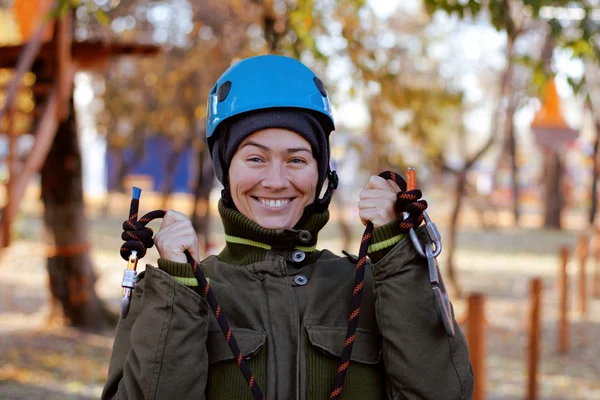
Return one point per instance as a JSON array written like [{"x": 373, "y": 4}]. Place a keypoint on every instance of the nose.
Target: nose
[{"x": 275, "y": 177}]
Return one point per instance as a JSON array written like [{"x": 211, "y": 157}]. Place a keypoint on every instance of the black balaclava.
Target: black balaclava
[{"x": 234, "y": 131}]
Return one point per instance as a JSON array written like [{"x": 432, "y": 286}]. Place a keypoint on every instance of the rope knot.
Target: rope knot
[{"x": 137, "y": 236}]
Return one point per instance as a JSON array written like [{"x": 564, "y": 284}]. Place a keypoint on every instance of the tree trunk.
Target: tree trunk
[
  {"x": 201, "y": 214},
  {"x": 512, "y": 150},
  {"x": 122, "y": 168},
  {"x": 554, "y": 189},
  {"x": 459, "y": 192},
  {"x": 594, "y": 188},
  {"x": 345, "y": 228},
  {"x": 170, "y": 169},
  {"x": 73, "y": 300},
  {"x": 126, "y": 167}
]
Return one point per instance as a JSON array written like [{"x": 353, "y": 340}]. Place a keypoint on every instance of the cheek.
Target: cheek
[
  {"x": 242, "y": 179},
  {"x": 307, "y": 181}
]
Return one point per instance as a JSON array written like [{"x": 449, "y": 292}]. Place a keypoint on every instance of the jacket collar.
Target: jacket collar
[{"x": 246, "y": 242}]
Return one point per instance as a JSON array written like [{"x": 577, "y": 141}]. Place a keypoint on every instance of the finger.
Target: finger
[
  {"x": 393, "y": 185},
  {"x": 171, "y": 216},
  {"x": 177, "y": 237},
  {"x": 378, "y": 193},
  {"x": 377, "y": 182},
  {"x": 377, "y": 216},
  {"x": 173, "y": 247},
  {"x": 377, "y": 203},
  {"x": 180, "y": 229}
]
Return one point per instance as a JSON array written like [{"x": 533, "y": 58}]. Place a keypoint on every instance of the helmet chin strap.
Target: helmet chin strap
[{"x": 332, "y": 183}]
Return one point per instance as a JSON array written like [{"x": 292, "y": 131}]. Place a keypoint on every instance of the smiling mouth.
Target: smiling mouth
[{"x": 279, "y": 203}]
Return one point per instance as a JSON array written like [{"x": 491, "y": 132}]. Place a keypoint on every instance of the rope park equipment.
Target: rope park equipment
[{"x": 139, "y": 238}]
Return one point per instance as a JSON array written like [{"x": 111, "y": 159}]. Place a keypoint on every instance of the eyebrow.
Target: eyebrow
[{"x": 265, "y": 148}]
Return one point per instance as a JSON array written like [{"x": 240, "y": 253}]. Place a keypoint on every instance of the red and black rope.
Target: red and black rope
[
  {"x": 139, "y": 238},
  {"x": 405, "y": 202}
]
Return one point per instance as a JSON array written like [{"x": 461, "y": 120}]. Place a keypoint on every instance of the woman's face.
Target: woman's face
[{"x": 273, "y": 177}]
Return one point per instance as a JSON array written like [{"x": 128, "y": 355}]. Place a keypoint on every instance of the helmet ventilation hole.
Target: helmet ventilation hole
[{"x": 223, "y": 90}]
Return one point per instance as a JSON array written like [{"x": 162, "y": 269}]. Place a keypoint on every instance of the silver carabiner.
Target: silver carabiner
[
  {"x": 434, "y": 237},
  {"x": 440, "y": 296},
  {"x": 128, "y": 283}
]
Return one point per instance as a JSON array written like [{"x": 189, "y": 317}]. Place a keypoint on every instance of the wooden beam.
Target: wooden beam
[
  {"x": 83, "y": 53},
  {"x": 44, "y": 136}
]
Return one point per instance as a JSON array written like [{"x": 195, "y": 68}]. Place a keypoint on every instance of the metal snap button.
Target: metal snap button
[
  {"x": 298, "y": 256},
  {"x": 300, "y": 280},
  {"x": 304, "y": 236}
]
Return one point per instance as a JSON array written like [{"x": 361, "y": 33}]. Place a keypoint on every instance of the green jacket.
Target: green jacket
[{"x": 289, "y": 317}]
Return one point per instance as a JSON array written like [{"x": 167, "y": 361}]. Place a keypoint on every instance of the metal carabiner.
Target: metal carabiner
[
  {"x": 128, "y": 283},
  {"x": 434, "y": 237},
  {"x": 442, "y": 302}
]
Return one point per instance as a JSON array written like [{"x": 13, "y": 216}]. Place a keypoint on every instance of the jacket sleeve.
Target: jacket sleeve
[
  {"x": 421, "y": 361},
  {"x": 159, "y": 350}
]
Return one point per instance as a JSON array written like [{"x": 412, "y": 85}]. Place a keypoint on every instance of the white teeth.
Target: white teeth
[{"x": 274, "y": 203}]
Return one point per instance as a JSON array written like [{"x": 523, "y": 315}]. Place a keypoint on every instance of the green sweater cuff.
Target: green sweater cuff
[
  {"x": 181, "y": 272},
  {"x": 384, "y": 238}
]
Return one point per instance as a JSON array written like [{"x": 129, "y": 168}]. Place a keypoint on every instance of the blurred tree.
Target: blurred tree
[
  {"x": 579, "y": 34},
  {"x": 409, "y": 105},
  {"x": 516, "y": 19},
  {"x": 73, "y": 300}
]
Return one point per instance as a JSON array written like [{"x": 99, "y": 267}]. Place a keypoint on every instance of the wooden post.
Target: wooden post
[
  {"x": 534, "y": 339},
  {"x": 595, "y": 252},
  {"x": 582, "y": 250},
  {"x": 563, "y": 308},
  {"x": 477, "y": 342},
  {"x": 10, "y": 183}
]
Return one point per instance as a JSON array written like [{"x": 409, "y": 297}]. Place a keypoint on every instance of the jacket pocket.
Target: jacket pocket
[
  {"x": 365, "y": 378},
  {"x": 225, "y": 379}
]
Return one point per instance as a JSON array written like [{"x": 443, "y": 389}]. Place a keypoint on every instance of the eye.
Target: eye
[
  {"x": 254, "y": 159},
  {"x": 297, "y": 161}
]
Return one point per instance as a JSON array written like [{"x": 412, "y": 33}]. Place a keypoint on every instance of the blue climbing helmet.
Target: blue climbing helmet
[{"x": 266, "y": 81}]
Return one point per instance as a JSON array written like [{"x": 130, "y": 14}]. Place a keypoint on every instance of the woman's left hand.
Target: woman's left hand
[{"x": 377, "y": 201}]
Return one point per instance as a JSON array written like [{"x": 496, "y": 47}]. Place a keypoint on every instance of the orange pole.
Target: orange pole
[
  {"x": 534, "y": 339},
  {"x": 595, "y": 251},
  {"x": 563, "y": 308},
  {"x": 596, "y": 289},
  {"x": 476, "y": 341},
  {"x": 582, "y": 250},
  {"x": 411, "y": 179}
]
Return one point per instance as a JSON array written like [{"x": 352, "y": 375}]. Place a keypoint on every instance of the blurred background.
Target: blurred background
[{"x": 495, "y": 103}]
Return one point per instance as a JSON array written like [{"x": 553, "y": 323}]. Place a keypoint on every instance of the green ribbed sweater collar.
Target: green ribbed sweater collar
[{"x": 246, "y": 242}]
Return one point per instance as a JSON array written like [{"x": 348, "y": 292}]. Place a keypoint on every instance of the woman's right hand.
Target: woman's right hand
[{"x": 176, "y": 235}]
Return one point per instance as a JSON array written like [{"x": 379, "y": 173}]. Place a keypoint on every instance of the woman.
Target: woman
[{"x": 268, "y": 127}]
